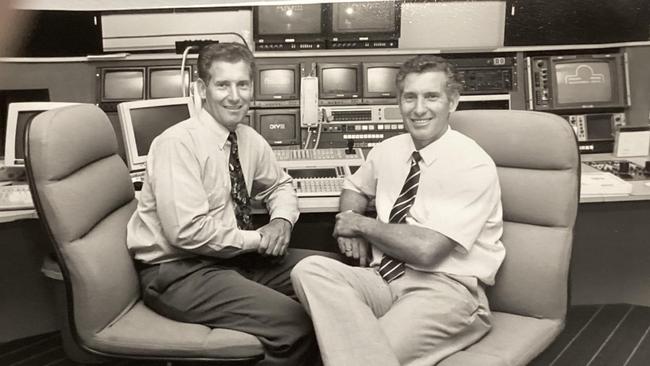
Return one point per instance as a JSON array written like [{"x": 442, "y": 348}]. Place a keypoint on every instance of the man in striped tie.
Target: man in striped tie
[{"x": 417, "y": 295}]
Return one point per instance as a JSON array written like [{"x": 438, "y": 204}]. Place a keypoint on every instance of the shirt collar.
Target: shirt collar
[
  {"x": 431, "y": 152},
  {"x": 217, "y": 129}
]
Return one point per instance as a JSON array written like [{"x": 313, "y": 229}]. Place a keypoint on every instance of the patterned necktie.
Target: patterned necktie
[
  {"x": 390, "y": 268},
  {"x": 238, "y": 191}
]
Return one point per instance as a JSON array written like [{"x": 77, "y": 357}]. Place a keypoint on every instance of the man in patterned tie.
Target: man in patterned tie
[
  {"x": 418, "y": 294},
  {"x": 200, "y": 259}
]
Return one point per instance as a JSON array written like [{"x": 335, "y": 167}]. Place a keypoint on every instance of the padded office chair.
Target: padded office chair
[
  {"x": 539, "y": 170},
  {"x": 84, "y": 197}
]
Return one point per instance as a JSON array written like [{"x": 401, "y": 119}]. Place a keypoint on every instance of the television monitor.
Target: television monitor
[
  {"x": 276, "y": 27},
  {"x": 379, "y": 81},
  {"x": 118, "y": 85},
  {"x": 339, "y": 80},
  {"x": 277, "y": 85},
  {"x": 578, "y": 82},
  {"x": 363, "y": 20},
  {"x": 144, "y": 120},
  {"x": 279, "y": 126},
  {"x": 167, "y": 82},
  {"x": 18, "y": 116}
]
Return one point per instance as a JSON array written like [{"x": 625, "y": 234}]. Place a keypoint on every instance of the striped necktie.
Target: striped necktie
[
  {"x": 238, "y": 191},
  {"x": 390, "y": 268}
]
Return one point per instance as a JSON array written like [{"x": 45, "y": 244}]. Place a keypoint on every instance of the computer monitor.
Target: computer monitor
[
  {"x": 167, "y": 82},
  {"x": 8, "y": 96},
  {"x": 18, "y": 116},
  {"x": 279, "y": 26},
  {"x": 363, "y": 20},
  {"x": 379, "y": 82},
  {"x": 144, "y": 120},
  {"x": 578, "y": 82},
  {"x": 117, "y": 85},
  {"x": 279, "y": 126},
  {"x": 339, "y": 80},
  {"x": 277, "y": 84}
]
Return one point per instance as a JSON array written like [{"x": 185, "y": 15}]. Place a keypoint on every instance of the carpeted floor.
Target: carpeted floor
[{"x": 595, "y": 335}]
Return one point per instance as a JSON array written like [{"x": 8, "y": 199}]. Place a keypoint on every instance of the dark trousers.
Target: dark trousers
[{"x": 249, "y": 293}]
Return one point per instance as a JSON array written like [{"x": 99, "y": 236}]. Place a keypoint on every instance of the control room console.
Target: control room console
[{"x": 320, "y": 172}]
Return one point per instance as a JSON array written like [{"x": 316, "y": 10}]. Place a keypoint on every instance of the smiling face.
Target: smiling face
[
  {"x": 426, "y": 106},
  {"x": 228, "y": 92}
]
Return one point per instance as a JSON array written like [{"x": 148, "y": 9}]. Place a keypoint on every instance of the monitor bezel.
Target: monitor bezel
[
  {"x": 334, "y": 36},
  {"x": 13, "y": 110},
  {"x": 343, "y": 65},
  {"x": 259, "y": 113},
  {"x": 295, "y": 67},
  {"x": 375, "y": 95},
  {"x": 102, "y": 79},
  {"x": 618, "y": 79},
  {"x": 149, "y": 79},
  {"x": 282, "y": 38},
  {"x": 135, "y": 161}
]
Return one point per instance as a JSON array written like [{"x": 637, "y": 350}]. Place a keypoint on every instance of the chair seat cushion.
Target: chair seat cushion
[
  {"x": 142, "y": 332},
  {"x": 514, "y": 340}
]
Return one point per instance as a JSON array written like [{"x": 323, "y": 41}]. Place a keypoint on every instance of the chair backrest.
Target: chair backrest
[
  {"x": 539, "y": 171},
  {"x": 84, "y": 197}
]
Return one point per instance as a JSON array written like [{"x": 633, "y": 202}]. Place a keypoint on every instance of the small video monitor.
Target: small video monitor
[
  {"x": 278, "y": 22},
  {"x": 168, "y": 82},
  {"x": 277, "y": 82},
  {"x": 18, "y": 117},
  {"x": 142, "y": 121},
  {"x": 279, "y": 126},
  {"x": 379, "y": 80},
  {"x": 118, "y": 85},
  {"x": 339, "y": 80}
]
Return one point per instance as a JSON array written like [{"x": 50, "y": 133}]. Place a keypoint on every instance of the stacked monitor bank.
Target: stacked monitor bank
[
  {"x": 123, "y": 84},
  {"x": 340, "y": 25}
]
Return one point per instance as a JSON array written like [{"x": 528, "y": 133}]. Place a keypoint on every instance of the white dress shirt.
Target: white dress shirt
[
  {"x": 458, "y": 196},
  {"x": 185, "y": 207}
]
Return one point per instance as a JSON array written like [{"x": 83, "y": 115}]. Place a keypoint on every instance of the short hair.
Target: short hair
[
  {"x": 228, "y": 52},
  {"x": 425, "y": 63}
]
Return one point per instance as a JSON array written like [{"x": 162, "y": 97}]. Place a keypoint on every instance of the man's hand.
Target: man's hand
[
  {"x": 348, "y": 223},
  {"x": 356, "y": 248},
  {"x": 275, "y": 237}
]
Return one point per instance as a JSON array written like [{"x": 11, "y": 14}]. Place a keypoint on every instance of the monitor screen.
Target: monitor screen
[
  {"x": 339, "y": 81},
  {"x": 123, "y": 84},
  {"x": 583, "y": 82},
  {"x": 167, "y": 83},
  {"x": 277, "y": 82},
  {"x": 18, "y": 117},
  {"x": 279, "y": 127},
  {"x": 379, "y": 80},
  {"x": 287, "y": 20},
  {"x": 142, "y": 121},
  {"x": 150, "y": 122},
  {"x": 364, "y": 17}
]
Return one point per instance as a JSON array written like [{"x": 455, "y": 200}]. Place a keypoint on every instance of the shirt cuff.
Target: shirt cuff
[{"x": 251, "y": 240}]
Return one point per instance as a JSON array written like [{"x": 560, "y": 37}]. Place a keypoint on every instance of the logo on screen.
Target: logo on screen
[
  {"x": 277, "y": 126},
  {"x": 584, "y": 75}
]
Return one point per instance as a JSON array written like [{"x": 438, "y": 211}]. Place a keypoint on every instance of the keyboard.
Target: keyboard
[
  {"x": 318, "y": 187},
  {"x": 16, "y": 197}
]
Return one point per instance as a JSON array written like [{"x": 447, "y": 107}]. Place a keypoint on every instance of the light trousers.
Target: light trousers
[{"x": 416, "y": 320}]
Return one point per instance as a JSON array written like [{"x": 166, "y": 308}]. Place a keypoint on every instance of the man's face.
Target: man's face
[
  {"x": 425, "y": 106},
  {"x": 228, "y": 93}
]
